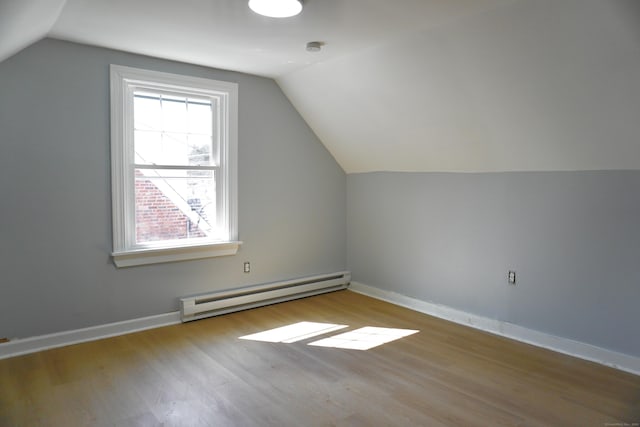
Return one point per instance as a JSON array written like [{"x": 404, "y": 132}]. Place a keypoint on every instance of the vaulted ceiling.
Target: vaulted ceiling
[{"x": 409, "y": 85}]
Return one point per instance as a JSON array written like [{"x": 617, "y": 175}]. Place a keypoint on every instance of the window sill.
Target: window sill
[{"x": 180, "y": 253}]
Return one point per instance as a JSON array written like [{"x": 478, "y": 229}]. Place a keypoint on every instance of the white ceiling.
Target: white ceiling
[
  {"x": 535, "y": 85},
  {"x": 227, "y": 34},
  {"x": 25, "y": 22},
  {"x": 420, "y": 85}
]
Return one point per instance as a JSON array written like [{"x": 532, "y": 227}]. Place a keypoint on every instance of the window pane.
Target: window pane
[
  {"x": 160, "y": 148},
  {"x": 200, "y": 150},
  {"x": 147, "y": 111},
  {"x": 174, "y": 114},
  {"x": 175, "y": 204},
  {"x": 200, "y": 117},
  {"x": 147, "y": 145},
  {"x": 173, "y": 130}
]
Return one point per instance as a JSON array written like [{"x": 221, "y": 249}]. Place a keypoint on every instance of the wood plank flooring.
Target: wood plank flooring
[{"x": 201, "y": 374}]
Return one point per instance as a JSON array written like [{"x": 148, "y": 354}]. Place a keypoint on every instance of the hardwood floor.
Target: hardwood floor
[{"x": 201, "y": 374}]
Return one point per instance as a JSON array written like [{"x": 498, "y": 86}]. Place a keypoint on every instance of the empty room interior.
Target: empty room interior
[{"x": 346, "y": 213}]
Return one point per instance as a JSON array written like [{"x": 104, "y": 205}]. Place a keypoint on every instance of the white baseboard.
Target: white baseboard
[
  {"x": 60, "y": 339},
  {"x": 578, "y": 349}
]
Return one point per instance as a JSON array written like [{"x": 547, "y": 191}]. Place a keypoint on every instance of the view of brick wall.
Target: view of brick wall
[{"x": 158, "y": 218}]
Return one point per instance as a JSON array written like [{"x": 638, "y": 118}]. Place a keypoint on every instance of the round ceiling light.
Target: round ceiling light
[{"x": 276, "y": 8}]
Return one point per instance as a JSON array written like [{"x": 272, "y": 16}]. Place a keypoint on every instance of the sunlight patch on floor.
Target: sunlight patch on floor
[
  {"x": 359, "y": 339},
  {"x": 293, "y": 333},
  {"x": 364, "y": 338}
]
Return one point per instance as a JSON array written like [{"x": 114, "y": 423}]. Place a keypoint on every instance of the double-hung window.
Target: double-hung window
[{"x": 173, "y": 165}]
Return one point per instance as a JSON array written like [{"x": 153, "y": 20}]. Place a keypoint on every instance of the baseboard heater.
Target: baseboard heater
[{"x": 223, "y": 302}]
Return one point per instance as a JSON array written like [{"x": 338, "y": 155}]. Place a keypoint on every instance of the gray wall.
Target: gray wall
[
  {"x": 572, "y": 237},
  {"x": 55, "y": 198}
]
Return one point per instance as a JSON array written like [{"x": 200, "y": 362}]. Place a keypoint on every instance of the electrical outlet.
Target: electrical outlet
[
  {"x": 512, "y": 277},
  {"x": 247, "y": 267}
]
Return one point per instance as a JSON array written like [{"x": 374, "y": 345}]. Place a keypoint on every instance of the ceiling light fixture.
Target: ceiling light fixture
[{"x": 276, "y": 8}]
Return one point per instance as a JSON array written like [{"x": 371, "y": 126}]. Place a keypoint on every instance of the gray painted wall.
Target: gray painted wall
[
  {"x": 572, "y": 237},
  {"x": 55, "y": 200}
]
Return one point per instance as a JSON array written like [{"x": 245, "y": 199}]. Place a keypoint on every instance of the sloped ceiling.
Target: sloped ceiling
[
  {"x": 410, "y": 85},
  {"x": 25, "y": 22},
  {"x": 536, "y": 85}
]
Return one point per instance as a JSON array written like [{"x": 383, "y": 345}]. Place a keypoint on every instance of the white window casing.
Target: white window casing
[{"x": 127, "y": 251}]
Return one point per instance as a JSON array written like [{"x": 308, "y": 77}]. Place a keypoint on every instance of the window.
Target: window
[{"x": 173, "y": 166}]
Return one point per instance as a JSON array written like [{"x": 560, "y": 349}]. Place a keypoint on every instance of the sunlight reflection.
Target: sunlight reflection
[
  {"x": 295, "y": 332},
  {"x": 364, "y": 338}
]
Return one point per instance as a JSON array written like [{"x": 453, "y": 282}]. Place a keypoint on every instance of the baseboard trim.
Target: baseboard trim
[
  {"x": 567, "y": 346},
  {"x": 60, "y": 339}
]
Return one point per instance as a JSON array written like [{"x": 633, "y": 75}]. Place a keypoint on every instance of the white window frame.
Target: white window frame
[{"x": 126, "y": 252}]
